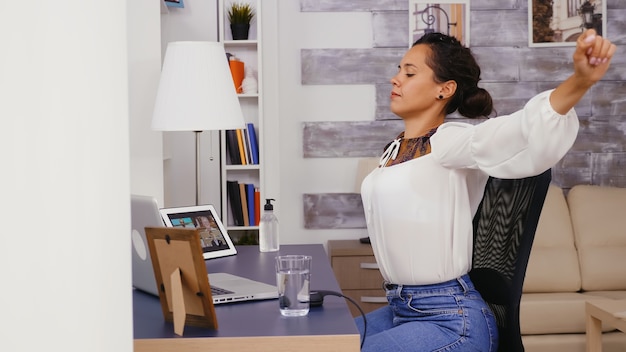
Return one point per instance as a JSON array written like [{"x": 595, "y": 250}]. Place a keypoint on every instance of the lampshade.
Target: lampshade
[{"x": 196, "y": 90}]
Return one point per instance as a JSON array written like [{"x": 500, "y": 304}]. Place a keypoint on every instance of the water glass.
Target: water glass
[{"x": 293, "y": 274}]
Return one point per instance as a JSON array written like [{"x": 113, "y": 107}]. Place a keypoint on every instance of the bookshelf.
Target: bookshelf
[{"x": 248, "y": 173}]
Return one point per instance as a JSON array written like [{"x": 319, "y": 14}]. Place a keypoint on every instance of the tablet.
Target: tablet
[{"x": 214, "y": 239}]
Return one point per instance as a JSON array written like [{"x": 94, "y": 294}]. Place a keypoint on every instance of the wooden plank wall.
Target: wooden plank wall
[{"x": 511, "y": 71}]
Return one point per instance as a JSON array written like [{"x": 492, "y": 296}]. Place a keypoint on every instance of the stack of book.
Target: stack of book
[
  {"x": 242, "y": 146},
  {"x": 245, "y": 203}
]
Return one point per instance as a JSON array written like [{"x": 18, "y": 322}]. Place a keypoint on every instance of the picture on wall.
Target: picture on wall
[
  {"x": 560, "y": 22},
  {"x": 174, "y": 3},
  {"x": 450, "y": 17}
]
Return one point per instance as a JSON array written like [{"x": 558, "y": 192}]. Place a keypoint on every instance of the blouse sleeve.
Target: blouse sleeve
[{"x": 522, "y": 144}]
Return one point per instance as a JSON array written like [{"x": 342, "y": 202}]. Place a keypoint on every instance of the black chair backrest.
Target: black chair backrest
[{"x": 504, "y": 230}]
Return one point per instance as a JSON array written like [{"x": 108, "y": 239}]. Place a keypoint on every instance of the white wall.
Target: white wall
[
  {"x": 64, "y": 144},
  {"x": 197, "y": 21},
  {"x": 144, "y": 70},
  {"x": 299, "y": 104},
  {"x": 287, "y": 104}
]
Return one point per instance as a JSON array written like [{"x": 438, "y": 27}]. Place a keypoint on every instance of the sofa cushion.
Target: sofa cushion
[
  {"x": 554, "y": 343},
  {"x": 599, "y": 224},
  {"x": 554, "y": 313},
  {"x": 553, "y": 263},
  {"x": 611, "y": 342},
  {"x": 606, "y": 294}
]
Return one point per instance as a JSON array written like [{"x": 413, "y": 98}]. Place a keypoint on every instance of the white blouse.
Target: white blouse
[{"x": 419, "y": 213}]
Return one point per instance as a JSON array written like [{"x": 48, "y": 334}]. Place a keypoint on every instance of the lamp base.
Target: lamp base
[{"x": 197, "y": 134}]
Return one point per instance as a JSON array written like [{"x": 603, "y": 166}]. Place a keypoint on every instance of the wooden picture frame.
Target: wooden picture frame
[
  {"x": 181, "y": 277},
  {"x": 563, "y": 22},
  {"x": 174, "y": 3},
  {"x": 450, "y": 17}
]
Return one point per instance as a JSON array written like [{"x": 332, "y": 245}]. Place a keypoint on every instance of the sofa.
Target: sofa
[{"x": 579, "y": 254}]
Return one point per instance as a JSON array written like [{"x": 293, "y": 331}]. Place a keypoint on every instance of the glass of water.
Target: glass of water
[{"x": 293, "y": 275}]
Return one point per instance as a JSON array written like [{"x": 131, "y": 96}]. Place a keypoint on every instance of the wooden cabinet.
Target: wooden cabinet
[{"x": 357, "y": 273}]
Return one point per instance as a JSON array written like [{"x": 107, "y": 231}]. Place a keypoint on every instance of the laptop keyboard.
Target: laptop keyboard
[{"x": 219, "y": 291}]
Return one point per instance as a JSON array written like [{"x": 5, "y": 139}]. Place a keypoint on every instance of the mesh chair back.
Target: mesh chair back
[{"x": 504, "y": 230}]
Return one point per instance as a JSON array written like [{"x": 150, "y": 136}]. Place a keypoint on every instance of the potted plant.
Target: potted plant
[{"x": 240, "y": 15}]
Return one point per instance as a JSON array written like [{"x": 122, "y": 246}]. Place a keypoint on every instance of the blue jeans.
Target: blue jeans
[{"x": 450, "y": 316}]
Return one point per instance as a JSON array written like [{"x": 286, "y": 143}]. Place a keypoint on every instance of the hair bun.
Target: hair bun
[{"x": 476, "y": 102}]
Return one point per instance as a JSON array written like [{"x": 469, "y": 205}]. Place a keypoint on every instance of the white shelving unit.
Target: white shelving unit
[{"x": 249, "y": 51}]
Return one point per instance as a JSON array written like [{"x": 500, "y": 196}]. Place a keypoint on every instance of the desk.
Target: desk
[
  {"x": 258, "y": 325},
  {"x": 599, "y": 312}
]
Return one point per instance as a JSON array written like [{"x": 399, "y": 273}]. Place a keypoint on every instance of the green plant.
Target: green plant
[{"x": 240, "y": 13}]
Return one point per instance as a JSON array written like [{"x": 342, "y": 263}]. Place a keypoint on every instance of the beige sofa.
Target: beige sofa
[{"x": 579, "y": 254}]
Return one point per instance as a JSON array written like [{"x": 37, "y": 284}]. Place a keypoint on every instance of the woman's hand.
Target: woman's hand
[{"x": 592, "y": 57}]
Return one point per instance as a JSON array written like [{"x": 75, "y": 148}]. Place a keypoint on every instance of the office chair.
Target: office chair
[{"x": 504, "y": 230}]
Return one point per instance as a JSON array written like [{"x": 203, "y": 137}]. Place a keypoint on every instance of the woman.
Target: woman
[{"x": 420, "y": 202}]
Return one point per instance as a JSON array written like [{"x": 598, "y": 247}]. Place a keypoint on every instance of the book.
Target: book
[
  {"x": 246, "y": 146},
  {"x": 232, "y": 148},
  {"x": 232, "y": 188},
  {"x": 250, "y": 196},
  {"x": 254, "y": 144},
  {"x": 257, "y": 205},
  {"x": 241, "y": 149},
  {"x": 244, "y": 204}
]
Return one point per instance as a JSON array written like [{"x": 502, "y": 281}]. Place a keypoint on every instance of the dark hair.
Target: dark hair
[{"x": 450, "y": 60}]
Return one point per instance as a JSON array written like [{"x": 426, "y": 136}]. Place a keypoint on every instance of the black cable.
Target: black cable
[{"x": 318, "y": 297}]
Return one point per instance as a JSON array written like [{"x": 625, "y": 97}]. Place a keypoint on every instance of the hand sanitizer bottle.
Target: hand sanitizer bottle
[{"x": 268, "y": 229}]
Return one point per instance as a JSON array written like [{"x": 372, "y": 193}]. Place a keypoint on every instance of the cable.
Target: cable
[{"x": 319, "y": 299}]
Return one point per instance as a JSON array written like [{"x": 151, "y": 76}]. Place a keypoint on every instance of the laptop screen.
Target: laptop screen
[{"x": 214, "y": 239}]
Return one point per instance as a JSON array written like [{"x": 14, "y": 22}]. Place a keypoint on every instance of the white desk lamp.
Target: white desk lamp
[{"x": 196, "y": 93}]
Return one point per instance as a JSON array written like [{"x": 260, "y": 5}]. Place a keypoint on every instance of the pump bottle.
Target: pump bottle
[{"x": 268, "y": 229}]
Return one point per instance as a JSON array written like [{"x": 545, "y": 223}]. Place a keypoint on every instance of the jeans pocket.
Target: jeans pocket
[
  {"x": 434, "y": 305},
  {"x": 492, "y": 328}
]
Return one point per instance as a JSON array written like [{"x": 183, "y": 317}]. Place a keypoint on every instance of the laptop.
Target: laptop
[
  {"x": 225, "y": 287},
  {"x": 144, "y": 212}
]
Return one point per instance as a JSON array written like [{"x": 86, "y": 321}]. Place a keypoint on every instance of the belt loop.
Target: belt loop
[
  {"x": 463, "y": 284},
  {"x": 396, "y": 289}
]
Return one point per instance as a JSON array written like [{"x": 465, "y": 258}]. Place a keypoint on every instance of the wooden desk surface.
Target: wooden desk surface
[{"x": 255, "y": 325}]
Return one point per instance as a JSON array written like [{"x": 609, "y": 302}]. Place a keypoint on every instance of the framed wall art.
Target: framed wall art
[
  {"x": 561, "y": 22},
  {"x": 450, "y": 17}
]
